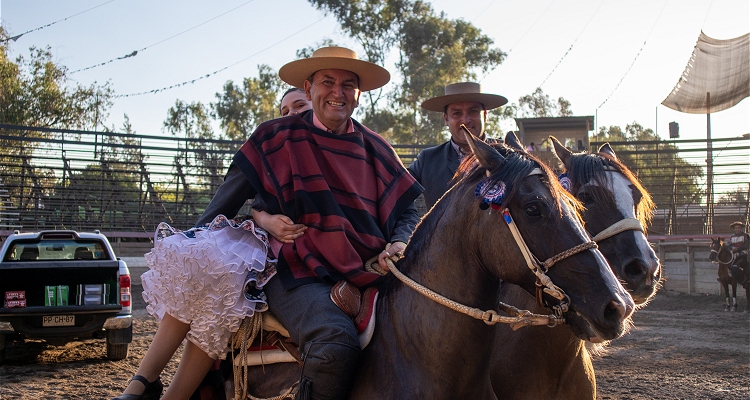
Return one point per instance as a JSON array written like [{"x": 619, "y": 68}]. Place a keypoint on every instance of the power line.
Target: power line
[
  {"x": 571, "y": 45},
  {"x": 15, "y": 38},
  {"x": 135, "y": 52},
  {"x": 636, "y": 56},
  {"x": 154, "y": 91}
]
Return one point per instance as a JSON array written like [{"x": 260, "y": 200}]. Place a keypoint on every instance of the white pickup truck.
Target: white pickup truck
[{"x": 63, "y": 285}]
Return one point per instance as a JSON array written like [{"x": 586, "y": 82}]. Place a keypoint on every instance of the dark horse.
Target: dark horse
[
  {"x": 728, "y": 276},
  {"x": 506, "y": 212},
  {"x": 555, "y": 363}
]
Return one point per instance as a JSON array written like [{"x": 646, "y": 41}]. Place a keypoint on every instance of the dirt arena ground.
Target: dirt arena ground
[{"x": 683, "y": 347}]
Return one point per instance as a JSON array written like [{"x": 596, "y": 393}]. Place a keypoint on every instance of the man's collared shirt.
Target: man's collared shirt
[{"x": 318, "y": 124}]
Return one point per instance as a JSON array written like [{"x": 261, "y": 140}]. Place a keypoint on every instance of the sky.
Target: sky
[{"x": 614, "y": 60}]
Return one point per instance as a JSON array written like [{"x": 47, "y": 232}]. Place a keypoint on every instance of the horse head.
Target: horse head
[
  {"x": 716, "y": 244},
  {"x": 720, "y": 252},
  {"x": 617, "y": 211},
  {"x": 506, "y": 212}
]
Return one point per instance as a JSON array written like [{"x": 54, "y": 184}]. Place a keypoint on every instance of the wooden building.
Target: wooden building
[{"x": 573, "y": 132}]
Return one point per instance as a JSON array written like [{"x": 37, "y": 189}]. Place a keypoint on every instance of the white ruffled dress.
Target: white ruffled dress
[{"x": 210, "y": 278}]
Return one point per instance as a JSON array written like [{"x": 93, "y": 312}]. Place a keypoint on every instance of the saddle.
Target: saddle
[{"x": 273, "y": 345}]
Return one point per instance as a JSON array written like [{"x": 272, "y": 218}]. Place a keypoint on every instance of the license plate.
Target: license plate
[{"x": 59, "y": 320}]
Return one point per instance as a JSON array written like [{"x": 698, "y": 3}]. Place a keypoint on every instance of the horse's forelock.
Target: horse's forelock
[
  {"x": 584, "y": 168},
  {"x": 517, "y": 166}
]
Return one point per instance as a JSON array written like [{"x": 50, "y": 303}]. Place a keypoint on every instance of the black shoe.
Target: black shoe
[{"x": 152, "y": 391}]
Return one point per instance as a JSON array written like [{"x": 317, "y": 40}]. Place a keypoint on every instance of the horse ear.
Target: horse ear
[
  {"x": 607, "y": 149},
  {"x": 511, "y": 140},
  {"x": 562, "y": 152},
  {"x": 487, "y": 156}
]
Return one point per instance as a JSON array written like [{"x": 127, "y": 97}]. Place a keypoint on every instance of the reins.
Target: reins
[
  {"x": 723, "y": 249},
  {"x": 518, "y": 317}
]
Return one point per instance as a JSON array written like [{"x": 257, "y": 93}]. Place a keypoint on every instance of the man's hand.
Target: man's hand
[
  {"x": 279, "y": 226},
  {"x": 394, "y": 251}
]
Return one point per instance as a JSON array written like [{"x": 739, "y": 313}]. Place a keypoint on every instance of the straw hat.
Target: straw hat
[
  {"x": 371, "y": 76},
  {"x": 737, "y": 223},
  {"x": 464, "y": 91}
]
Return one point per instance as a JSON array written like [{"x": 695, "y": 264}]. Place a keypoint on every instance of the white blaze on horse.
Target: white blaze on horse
[{"x": 617, "y": 212}]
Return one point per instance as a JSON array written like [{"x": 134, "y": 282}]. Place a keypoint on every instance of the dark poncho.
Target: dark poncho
[{"x": 349, "y": 190}]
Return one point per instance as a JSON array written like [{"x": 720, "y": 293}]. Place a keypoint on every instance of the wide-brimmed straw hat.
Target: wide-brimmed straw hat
[
  {"x": 740, "y": 223},
  {"x": 464, "y": 91},
  {"x": 371, "y": 76}
]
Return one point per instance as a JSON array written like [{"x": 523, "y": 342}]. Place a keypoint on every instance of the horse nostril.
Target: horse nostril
[
  {"x": 635, "y": 269},
  {"x": 617, "y": 311}
]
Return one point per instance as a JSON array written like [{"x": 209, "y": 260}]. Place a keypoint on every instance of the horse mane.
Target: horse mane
[
  {"x": 516, "y": 167},
  {"x": 519, "y": 164},
  {"x": 586, "y": 167}
]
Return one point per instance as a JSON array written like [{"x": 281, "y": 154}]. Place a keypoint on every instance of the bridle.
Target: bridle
[
  {"x": 543, "y": 284},
  {"x": 625, "y": 224},
  {"x": 722, "y": 249}
]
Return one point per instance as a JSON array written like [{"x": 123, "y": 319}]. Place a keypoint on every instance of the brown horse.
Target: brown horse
[
  {"x": 506, "y": 212},
  {"x": 728, "y": 276},
  {"x": 555, "y": 360}
]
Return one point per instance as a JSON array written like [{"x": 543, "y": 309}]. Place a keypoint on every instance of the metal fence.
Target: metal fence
[{"x": 128, "y": 183}]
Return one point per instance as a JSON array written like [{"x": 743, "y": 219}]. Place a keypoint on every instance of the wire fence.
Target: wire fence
[{"x": 128, "y": 183}]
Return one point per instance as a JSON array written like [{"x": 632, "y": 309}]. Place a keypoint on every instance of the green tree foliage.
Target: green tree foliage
[
  {"x": 540, "y": 105},
  {"x": 432, "y": 51},
  {"x": 192, "y": 121},
  {"x": 738, "y": 197},
  {"x": 648, "y": 157},
  {"x": 35, "y": 91},
  {"x": 241, "y": 109}
]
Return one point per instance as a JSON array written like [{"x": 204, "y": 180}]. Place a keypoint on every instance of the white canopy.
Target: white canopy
[{"x": 720, "y": 68}]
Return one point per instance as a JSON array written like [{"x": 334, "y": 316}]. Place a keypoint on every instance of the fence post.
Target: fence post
[{"x": 691, "y": 266}]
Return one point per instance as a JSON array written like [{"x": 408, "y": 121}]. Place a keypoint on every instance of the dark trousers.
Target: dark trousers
[{"x": 327, "y": 337}]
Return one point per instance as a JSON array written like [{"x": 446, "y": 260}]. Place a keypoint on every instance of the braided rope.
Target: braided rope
[
  {"x": 241, "y": 339},
  {"x": 567, "y": 253},
  {"x": 490, "y": 317},
  {"x": 289, "y": 394}
]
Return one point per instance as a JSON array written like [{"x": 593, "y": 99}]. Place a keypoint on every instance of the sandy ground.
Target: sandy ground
[{"x": 683, "y": 347}]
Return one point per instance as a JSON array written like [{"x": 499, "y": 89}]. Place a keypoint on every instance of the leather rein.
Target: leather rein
[
  {"x": 519, "y": 318},
  {"x": 723, "y": 249},
  {"x": 544, "y": 285}
]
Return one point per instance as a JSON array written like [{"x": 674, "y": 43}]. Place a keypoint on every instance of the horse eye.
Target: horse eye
[
  {"x": 585, "y": 197},
  {"x": 533, "y": 210}
]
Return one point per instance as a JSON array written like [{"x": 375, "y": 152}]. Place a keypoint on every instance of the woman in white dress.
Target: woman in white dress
[{"x": 202, "y": 282}]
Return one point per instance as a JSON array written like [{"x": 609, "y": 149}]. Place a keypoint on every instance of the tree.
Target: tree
[
  {"x": 642, "y": 151},
  {"x": 433, "y": 51},
  {"x": 37, "y": 92},
  {"x": 200, "y": 156},
  {"x": 540, "y": 105},
  {"x": 737, "y": 196},
  {"x": 241, "y": 110}
]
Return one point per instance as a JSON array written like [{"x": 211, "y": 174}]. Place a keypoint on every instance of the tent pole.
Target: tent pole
[{"x": 709, "y": 170}]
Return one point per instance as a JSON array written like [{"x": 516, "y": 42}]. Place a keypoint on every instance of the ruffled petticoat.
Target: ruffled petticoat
[{"x": 210, "y": 278}]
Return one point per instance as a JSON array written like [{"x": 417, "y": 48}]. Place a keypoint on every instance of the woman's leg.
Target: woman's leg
[
  {"x": 168, "y": 337},
  {"x": 193, "y": 367}
]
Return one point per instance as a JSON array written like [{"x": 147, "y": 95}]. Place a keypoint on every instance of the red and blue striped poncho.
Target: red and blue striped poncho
[{"x": 349, "y": 190}]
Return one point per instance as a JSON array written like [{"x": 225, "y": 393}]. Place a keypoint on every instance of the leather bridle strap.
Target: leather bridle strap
[
  {"x": 544, "y": 283},
  {"x": 718, "y": 254}
]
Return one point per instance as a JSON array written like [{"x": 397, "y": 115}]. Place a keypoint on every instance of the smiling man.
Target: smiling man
[
  {"x": 463, "y": 103},
  {"x": 345, "y": 183}
]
